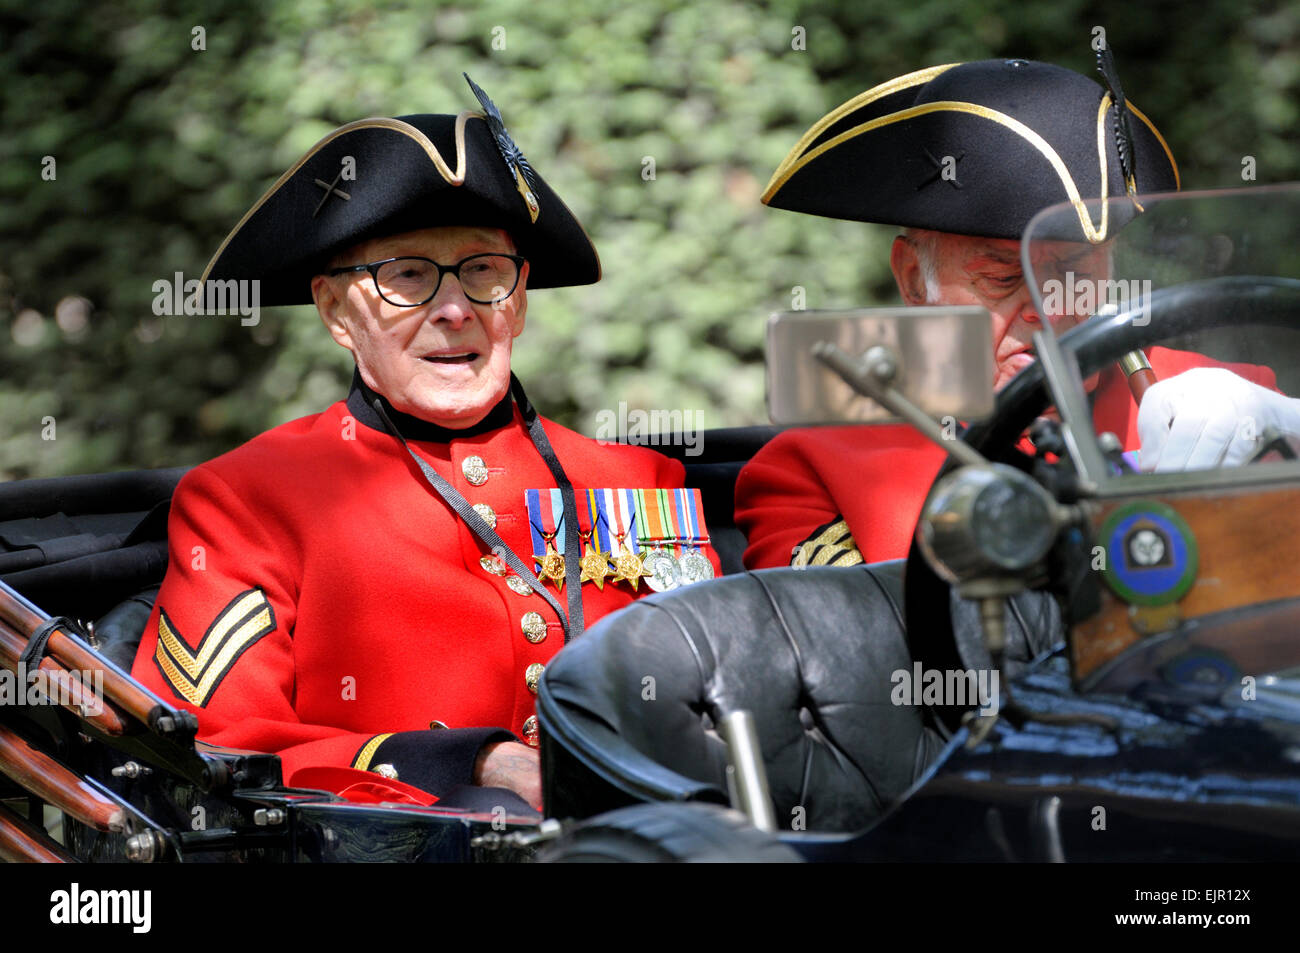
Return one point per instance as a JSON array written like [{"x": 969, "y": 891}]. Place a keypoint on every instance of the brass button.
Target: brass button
[
  {"x": 534, "y": 627},
  {"x": 489, "y": 515},
  {"x": 519, "y": 585},
  {"x": 494, "y": 564},
  {"x": 475, "y": 470},
  {"x": 530, "y": 730},
  {"x": 435, "y": 725},
  {"x": 385, "y": 771},
  {"x": 532, "y": 675}
]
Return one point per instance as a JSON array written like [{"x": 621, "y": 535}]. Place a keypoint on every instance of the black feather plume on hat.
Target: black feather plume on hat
[
  {"x": 1123, "y": 134},
  {"x": 509, "y": 151}
]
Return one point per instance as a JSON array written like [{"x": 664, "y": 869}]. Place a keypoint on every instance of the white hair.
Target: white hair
[{"x": 926, "y": 245}]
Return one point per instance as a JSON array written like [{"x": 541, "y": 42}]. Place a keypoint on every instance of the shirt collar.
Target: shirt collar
[{"x": 413, "y": 428}]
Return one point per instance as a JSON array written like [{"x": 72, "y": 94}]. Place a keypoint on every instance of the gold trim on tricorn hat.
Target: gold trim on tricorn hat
[
  {"x": 384, "y": 176},
  {"x": 972, "y": 148}
]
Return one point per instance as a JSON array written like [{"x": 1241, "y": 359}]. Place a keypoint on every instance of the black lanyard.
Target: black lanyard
[{"x": 572, "y": 621}]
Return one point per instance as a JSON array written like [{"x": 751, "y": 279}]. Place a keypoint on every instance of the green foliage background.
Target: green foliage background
[{"x": 161, "y": 148}]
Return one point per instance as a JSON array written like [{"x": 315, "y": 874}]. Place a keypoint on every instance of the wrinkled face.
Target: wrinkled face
[
  {"x": 967, "y": 270},
  {"x": 446, "y": 361}
]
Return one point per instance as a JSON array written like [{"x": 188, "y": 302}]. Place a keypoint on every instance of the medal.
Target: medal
[
  {"x": 654, "y": 528},
  {"x": 629, "y": 568},
  {"x": 695, "y": 567},
  {"x": 552, "y": 566},
  {"x": 658, "y": 517},
  {"x": 627, "y": 562},
  {"x": 545, "y": 518},
  {"x": 689, "y": 509},
  {"x": 662, "y": 571},
  {"x": 594, "y": 563}
]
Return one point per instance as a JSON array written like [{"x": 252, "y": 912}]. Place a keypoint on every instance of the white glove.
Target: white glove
[{"x": 1209, "y": 417}]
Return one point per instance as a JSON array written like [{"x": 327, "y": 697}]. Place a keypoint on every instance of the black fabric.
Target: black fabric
[
  {"x": 486, "y": 800},
  {"x": 125, "y": 492},
  {"x": 723, "y": 445},
  {"x": 33, "y": 530},
  {"x": 361, "y": 401},
  {"x": 152, "y": 525},
  {"x": 41, "y": 540},
  {"x": 892, "y": 173},
  {"x": 86, "y": 542},
  {"x": 810, "y": 652},
  {"x": 437, "y": 760},
  {"x": 90, "y": 586}
]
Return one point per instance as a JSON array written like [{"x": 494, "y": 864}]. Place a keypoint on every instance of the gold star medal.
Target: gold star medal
[
  {"x": 545, "y": 516},
  {"x": 595, "y": 566},
  {"x": 552, "y": 566},
  {"x": 620, "y": 508},
  {"x": 629, "y": 568}
]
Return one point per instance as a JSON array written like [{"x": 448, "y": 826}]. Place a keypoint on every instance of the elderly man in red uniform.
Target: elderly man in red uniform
[
  {"x": 962, "y": 156},
  {"x": 373, "y": 591}
]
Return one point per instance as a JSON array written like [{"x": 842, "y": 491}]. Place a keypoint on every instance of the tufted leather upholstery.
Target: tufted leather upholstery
[
  {"x": 808, "y": 652},
  {"x": 627, "y": 711}
]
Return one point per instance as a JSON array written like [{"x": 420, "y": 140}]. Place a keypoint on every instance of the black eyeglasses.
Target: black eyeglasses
[{"x": 411, "y": 281}]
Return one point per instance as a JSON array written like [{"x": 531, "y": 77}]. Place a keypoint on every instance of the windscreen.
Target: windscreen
[{"x": 1178, "y": 319}]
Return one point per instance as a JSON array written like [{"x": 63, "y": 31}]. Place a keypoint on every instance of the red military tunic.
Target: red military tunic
[
  {"x": 798, "y": 488},
  {"x": 322, "y": 602}
]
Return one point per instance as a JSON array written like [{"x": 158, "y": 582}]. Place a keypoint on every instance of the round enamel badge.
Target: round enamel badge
[{"x": 1151, "y": 556}]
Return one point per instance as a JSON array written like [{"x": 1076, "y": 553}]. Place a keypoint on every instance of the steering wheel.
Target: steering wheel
[{"x": 1097, "y": 343}]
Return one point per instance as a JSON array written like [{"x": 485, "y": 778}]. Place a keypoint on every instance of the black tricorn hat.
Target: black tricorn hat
[
  {"x": 972, "y": 148},
  {"x": 380, "y": 176}
]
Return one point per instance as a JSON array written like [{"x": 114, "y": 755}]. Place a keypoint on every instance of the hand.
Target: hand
[
  {"x": 1209, "y": 417},
  {"x": 508, "y": 764}
]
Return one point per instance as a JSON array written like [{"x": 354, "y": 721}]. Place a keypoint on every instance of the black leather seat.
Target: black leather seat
[{"x": 628, "y": 710}]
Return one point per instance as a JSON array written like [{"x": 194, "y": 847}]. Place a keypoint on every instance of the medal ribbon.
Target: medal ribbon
[
  {"x": 701, "y": 531},
  {"x": 538, "y": 529},
  {"x": 650, "y": 526},
  {"x": 671, "y": 516},
  {"x": 690, "y": 513},
  {"x": 597, "y": 512},
  {"x": 668, "y": 517},
  {"x": 621, "y": 508},
  {"x": 571, "y": 621},
  {"x": 684, "y": 513},
  {"x": 552, "y": 516},
  {"x": 627, "y": 509}
]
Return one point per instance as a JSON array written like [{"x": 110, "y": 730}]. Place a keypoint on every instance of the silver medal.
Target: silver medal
[
  {"x": 665, "y": 573},
  {"x": 695, "y": 567}
]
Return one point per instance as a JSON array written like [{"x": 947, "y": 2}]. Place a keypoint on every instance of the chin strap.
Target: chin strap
[{"x": 572, "y": 621}]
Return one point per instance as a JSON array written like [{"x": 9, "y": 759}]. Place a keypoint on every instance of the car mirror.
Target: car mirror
[{"x": 944, "y": 359}]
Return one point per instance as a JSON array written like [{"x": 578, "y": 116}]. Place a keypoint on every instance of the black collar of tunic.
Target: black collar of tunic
[{"x": 360, "y": 405}]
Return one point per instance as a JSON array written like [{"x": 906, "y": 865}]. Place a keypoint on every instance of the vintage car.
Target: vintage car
[{"x": 1079, "y": 660}]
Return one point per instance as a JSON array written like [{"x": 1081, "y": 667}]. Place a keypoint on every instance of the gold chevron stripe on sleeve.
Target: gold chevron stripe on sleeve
[
  {"x": 195, "y": 675},
  {"x": 829, "y": 545}
]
